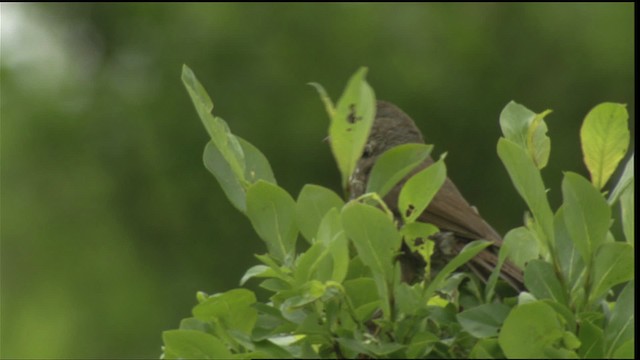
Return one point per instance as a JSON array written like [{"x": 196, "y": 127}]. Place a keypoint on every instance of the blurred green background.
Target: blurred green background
[{"x": 109, "y": 221}]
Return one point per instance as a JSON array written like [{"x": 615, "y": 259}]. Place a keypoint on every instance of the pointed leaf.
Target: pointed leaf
[
  {"x": 394, "y": 164},
  {"x": 420, "y": 189},
  {"x": 313, "y": 204}
]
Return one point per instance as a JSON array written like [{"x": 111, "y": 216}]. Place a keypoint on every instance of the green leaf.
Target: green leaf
[
  {"x": 569, "y": 259},
  {"x": 612, "y": 265},
  {"x": 361, "y": 291},
  {"x": 486, "y": 349},
  {"x": 627, "y": 207},
  {"x": 586, "y": 214},
  {"x": 257, "y": 166},
  {"x": 408, "y": 298},
  {"x": 313, "y": 203},
  {"x": 394, "y": 164},
  {"x": 217, "y": 128},
  {"x": 528, "y": 182},
  {"x": 514, "y": 123},
  {"x": 326, "y": 100},
  {"x": 592, "y": 340},
  {"x": 374, "y": 235},
  {"x": 231, "y": 185},
  {"x": 257, "y": 271},
  {"x": 538, "y": 143},
  {"x": 529, "y": 329},
  {"x": 351, "y": 123},
  {"x": 377, "y": 241},
  {"x": 483, "y": 321},
  {"x": 467, "y": 253},
  {"x": 331, "y": 234},
  {"x": 192, "y": 344},
  {"x": 528, "y": 130},
  {"x": 232, "y": 309},
  {"x": 625, "y": 180},
  {"x": 420, "y": 189},
  {"x": 605, "y": 138},
  {"x": 272, "y": 214},
  {"x": 421, "y": 345},
  {"x": 315, "y": 263},
  {"x": 522, "y": 246},
  {"x": 621, "y": 326},
  {"x": 542, "y": 281},
  {"x": 626, "y": 350}
]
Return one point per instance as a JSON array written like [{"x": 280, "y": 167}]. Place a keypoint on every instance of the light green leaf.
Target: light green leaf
[
  {"x": 605, "y": 138},
  {"x": 483, "y": 321},
  {"x": 315, "y": 263},
  {"x": 374, "y": 235},
  {"x": 257, "y": 166},
  {"x": 231, "y": 185},
  {"x": 586, "y": 214},
  {"x": 528, "y": 182},
  {"x": 313, "y": 203},
  {"x": 521, "y": 246},
  {"x": 351, "y": 124},
  {"x": 232, "y": 309},
  {"x": 326, "y": 100},
  {"x": 192, "y": 344},
  {"x": 627, "y": 206},
  {"x": 514, "y": 123},
  {"x": 420, "y": 189},
  {"x": 394, "y": 164},
  {"x": 612, "y": 265},
  {"x": 331, "y": 234},
  {"x": 257, "y": 271},
  {"x": 377, "y": 241},
  {"x": 538, "y": 143},
  {"x": 625, "y": 351},
  {"x": 620, "y": 328},
  {"x": 421, "y": 345},
  {"x": 625, "y": 180},
  {"x": 272, "y": 214},
  {"x": 529, "y": 329},
  {"x": 541, "y": 280}
]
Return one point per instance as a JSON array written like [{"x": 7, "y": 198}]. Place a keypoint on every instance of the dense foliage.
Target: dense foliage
[{"x": 342, "y": 297}]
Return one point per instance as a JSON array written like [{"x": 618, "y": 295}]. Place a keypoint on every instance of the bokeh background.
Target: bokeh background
[{"x": 110, "y": 222}]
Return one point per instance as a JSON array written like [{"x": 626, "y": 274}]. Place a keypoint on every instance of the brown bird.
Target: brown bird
[{"x": 458, "y": 222}]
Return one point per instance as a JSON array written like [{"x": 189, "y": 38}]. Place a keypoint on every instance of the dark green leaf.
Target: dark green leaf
[
  {"x": 486, "y": 349},
  {"x": 421, "y": 345},
  {"x": 483, "y": 321},
  {"x": 571, "y": 262},
  {"x": 313, "y": 203},
  {"x": 394, "y": 164},
  {"x": 591, "y": 337},
  {"x": 272, "y": 214},
  {"x": 467, "y": 253}
]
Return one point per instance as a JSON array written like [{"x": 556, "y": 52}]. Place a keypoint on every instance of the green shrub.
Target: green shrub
[{"x": 342, "y": 297}]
